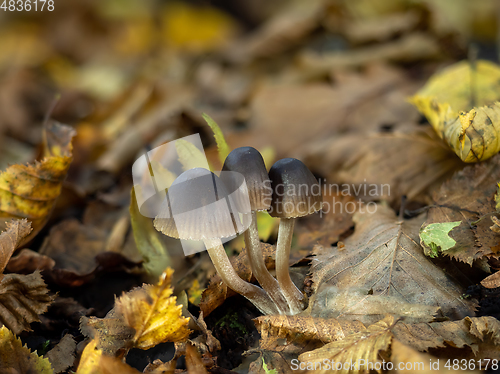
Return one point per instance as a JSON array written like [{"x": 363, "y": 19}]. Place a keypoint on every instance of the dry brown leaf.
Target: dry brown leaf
[
  {"x": 218, "y": 291},
  {"x": 22, "y": 299},
  {"x": 491, "y": 281},
  {"x": 9, "y": 240},
  {"x": 152, "y": 311},
  {"x": 466, "y": 197},
  {"x": 193, "y": 361},
  {"x": 364, "y": 345},
  {"x": 407, "y": 360},
  {"x": 62, "y": 356},
  {"x": 30, "y": 191},
  {"x": 159, "y": 367},
  {"x": 110, "y": 335},
  {"x": 27, "y": 261},
  {"x": 422, "y": 163},
  {"x": 481, "y": 334},
  {"x": 18, "y": 359},
  {"x": 382, "y": 270},
  {"x": 78, "y": 251},
  {"x": 283, "y": 31}
]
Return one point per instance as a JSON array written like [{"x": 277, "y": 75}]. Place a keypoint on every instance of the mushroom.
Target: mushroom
[
  {"x": 248, "y": 162},
  {"x": 293, "y": 187},
  {"x": 198, "y": 207}
]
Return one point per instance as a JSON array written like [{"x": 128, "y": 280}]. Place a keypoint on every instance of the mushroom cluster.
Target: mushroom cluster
[{"x": 201, "y": 206}]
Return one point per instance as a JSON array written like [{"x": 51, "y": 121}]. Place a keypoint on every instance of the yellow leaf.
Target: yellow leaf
[
  {"x": 94, "y": 362},
  {"x": 9, "y": 240},
  {"x": 30, "y": 191},
  {"x": 363, "y": 345},
  {"x": 195, "y": 292},
  {"x": 148, "y": 241},
  {"x": 153, "y": 313},
  {"x": 462, "y": 105},
  {"x": 22, "y": 299},
  {"x": 195, "y": 29},
  {"x": 222, "y": 147},
  {"x": 15, "y": 358}
]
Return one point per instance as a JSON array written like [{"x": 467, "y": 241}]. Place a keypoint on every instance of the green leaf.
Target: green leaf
[
  {"x": 149, "y": 242},
  {"x": 435, "y": 236},
  {"x": 222, "y": 146},
  {"x": 190, "y": 156},
  {"x": 264, "y": 365}
]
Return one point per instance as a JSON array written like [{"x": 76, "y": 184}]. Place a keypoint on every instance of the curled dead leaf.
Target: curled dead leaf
[
  {"x": 22, "y": 299},
  {"x": 30, "y": 191},
  {"x": 16, "y": 358},
  {"x": 10, "y": 239}
]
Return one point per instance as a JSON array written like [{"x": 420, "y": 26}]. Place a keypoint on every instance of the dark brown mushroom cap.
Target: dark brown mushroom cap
[
  {"x": 249, "y": 162},
  {"x": 296, "y": 192},
  {"x": 199, "y": 207}
]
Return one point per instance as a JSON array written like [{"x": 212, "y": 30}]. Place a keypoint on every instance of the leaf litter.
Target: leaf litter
[{"x": 324, "y": 81}]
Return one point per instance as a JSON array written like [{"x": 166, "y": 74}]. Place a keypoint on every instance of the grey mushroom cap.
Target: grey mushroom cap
[
  {"x": 198, "y": 207},
  {"x": 249, "y": 162},
  {"x": 296, "y": 192}
]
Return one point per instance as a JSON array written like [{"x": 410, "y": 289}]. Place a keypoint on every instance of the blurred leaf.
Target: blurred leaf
[
  {"x": 196, "y": 29},
  {"x": 194, "y": 292},
  {"x": 30, "y": 191},
  {"x": 22, "y": 299},
  {"x": 16, "y": 231},
  {"x": 266, "y": 225},
  {"x": 153, "y": 313},
  {"x": 62, "y": 356},
  {"x": 268, "y": 371},
  {"x": 222, "y": 146},
  {"x": 149, "y": 241},
  {"x": 18, "y": 359},
  {"x": 497, "y": 199},
  {"x": 461, "y": 103},
  {"x": 435, "y": 238}
]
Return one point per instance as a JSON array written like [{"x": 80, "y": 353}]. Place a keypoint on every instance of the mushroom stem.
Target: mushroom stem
[
  {"x": 256, "y": 295},
  {"x": 259, "y": 269},
  {"x": 295, "y": 298}
]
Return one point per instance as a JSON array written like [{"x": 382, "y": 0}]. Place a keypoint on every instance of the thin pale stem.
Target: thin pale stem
[
  {"x": 256, "y": 295},
  {"x": 295, "y": 298},
  {"x": 259, "y": 269}
]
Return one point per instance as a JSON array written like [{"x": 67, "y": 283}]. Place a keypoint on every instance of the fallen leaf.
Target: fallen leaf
[
  {"x": 368, "y": 161},
  {"x": 410, "y": 361},
  {"x": 194, "y": 363},
  {"x": 30, "y": 191},
  {"x": 435, "y": 238},
  {"x": 27, "y": 261},
  {"x": 461, "y": 103},
  {"x": 10, "y": 239},
  {"x": 22, "y": 299},
  {"x": 94, "y": 362},
  {"x": 110, "y": 334},
  {"x": 364, "y": 345},
  {"x": 466, "y": 197},
  {"x": 16, "y": 358},
  {"x": 481, "y": 334},
  {"x": 62, "y": 356},
  {"x": 79, "y": 251},
  {"x": 153, "y": 313},
  {"x": 382, "y": 260},
  {"x": 491, "y": 281}
]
